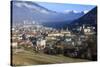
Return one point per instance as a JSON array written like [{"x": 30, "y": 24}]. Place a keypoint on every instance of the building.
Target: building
[
  {"x": 66, "y": 32},
  {"x": 88, "y": 31},
  {"x": 55, "y": 34},
  {"x": 41, "y": 43}
]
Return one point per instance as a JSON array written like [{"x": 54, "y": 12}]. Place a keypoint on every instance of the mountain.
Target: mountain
[
  {"x": 25, "y": 10},
  {"x": 89, "y": 19}
]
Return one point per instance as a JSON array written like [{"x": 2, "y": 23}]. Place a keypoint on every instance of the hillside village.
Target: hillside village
[{"x": 50, "y": 41}]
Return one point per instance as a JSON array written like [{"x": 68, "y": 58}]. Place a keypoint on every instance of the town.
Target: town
[{"x": 51, "y": 41}]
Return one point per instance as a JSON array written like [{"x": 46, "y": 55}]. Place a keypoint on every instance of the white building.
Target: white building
[
  {"x": 88, "y": 31},
  {"x": 41, "y": 43},
  {"x": 67, "y": 33},
  {"x": 55, "y": 34}
]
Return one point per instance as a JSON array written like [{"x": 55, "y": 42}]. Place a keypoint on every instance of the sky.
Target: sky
[{"x": 66, "y": 7}]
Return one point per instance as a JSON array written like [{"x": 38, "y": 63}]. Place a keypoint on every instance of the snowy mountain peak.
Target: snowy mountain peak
[{"x": 72, "y": 11}]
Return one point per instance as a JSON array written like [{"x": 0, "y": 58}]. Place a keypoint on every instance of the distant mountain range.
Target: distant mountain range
[
  {"x": 90, "y": 18},
  {"x": 31, "y": 11}
]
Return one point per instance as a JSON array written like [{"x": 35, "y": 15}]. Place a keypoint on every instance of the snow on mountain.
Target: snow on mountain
[
  {"x": 86, "y": 11},
  {"x": 71, "y": 11}
]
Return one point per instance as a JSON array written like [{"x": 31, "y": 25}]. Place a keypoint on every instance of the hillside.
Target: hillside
[{"x": 26, "y": 57}]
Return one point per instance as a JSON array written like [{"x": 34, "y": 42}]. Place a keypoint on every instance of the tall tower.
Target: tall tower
[{"x": 67, "y": 29}]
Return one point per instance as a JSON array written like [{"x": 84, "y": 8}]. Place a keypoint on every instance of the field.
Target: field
[{"x": 27, "y": 57}]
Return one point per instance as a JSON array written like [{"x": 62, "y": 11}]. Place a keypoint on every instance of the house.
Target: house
[
  {"x": 88, "y": 31},
  {"x": 41, "y": 43}
]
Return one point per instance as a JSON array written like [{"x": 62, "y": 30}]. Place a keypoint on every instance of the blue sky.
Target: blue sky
[{"x": 66, "y": 7}]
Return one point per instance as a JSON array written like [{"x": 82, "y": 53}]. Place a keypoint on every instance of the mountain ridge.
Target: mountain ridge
[
  {"x": 39, "y": 13},
  {"x": 91, "y": 16}
]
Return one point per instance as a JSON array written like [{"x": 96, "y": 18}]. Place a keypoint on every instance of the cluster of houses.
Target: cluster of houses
[{"x": 21, "y": 35}]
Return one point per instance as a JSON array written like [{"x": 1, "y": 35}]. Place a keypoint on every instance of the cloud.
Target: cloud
[
  {"x": 76, "y": 11},
  {"x": 33, "y": 7},
  {"x": 44, "y": 11},
  {"x": 18, "y": 4},
  {"x": 24, "y": 4},
  {"x": 67, "y": 11},
  {"x": 27, "y": 5}
]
